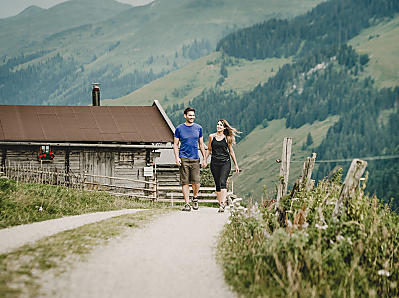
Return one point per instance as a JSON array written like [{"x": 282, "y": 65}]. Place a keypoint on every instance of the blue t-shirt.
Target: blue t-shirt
[{"x": 188, "y": 136}]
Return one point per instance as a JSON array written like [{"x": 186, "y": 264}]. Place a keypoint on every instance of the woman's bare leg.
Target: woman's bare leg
[
  {"x": 223, "y": 193},
  {"x": 219, "y": 197}
]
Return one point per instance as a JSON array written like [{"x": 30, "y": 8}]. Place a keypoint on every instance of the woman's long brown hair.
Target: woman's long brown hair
[{"x": 230, "y": 132}]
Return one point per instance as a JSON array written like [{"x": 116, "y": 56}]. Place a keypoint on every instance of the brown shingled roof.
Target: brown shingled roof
[{"x": 120, "y": 124}]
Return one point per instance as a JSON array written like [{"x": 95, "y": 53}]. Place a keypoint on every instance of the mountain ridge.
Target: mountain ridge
[
  {"x": 135, "y": 47},
  {"x": 35, "y": 23}
]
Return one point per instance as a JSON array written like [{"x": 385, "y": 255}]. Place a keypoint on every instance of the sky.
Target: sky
[{"x": 13, "y": 7}]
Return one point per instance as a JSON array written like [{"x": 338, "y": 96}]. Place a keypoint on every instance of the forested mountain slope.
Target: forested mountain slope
[
  {"x": 331, "y": 22},
  {"x": 123, "y": 52},
  {"x": 325, "y": 80}
]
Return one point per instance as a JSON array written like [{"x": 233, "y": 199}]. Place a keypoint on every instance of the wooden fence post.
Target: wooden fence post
[
  {"x": 351, "y": 183},
  {"x": 308, "y": 167},
  {"x": 305, "y": 180},
  {"x": 284, "y": 169}
]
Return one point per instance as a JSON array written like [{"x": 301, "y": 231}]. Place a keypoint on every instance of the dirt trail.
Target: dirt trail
[{"x": 174, "y": 256}]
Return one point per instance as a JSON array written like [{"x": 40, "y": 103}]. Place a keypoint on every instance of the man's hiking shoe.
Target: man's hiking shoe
[
  {"x": 221, "y": 208},
  {"x": 195, "y": 203},
  {"x": 186, "y": 207}
]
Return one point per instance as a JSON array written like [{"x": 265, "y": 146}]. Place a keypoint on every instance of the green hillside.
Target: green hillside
[
  {"x": 125, "y": 51},
  {"x": 381, "y": 42},
  {"x": 261, "y": 147},
  {"x": 188, "y": 82},
  {"x": 258, "y": 151},
  {"x": 329, "y": 80}
]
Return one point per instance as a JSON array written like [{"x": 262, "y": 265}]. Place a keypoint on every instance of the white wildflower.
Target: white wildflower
[
  {"x": 321, "y": 227},
  {"x": 237, "y": 200},
  {"x": 40, "y": 208},
  {"x": 340, "y": 238},
  {"x": 349, "y": 240},
  {"x": 383, "y": 273}
]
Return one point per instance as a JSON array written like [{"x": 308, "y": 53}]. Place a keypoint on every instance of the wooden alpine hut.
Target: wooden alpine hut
[{"x": 95, "y": 141}]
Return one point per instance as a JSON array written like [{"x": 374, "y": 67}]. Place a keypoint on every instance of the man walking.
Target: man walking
[{"x": 189, "y": 135}]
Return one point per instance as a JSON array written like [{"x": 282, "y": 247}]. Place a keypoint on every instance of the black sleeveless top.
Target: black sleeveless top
[{"x": 220, "y": 151}]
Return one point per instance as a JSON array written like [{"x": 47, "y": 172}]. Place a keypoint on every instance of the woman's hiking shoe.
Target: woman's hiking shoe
[
  {"x": 195, "y": 203},
  {"x": 221, "y": 208},
  {"x": 186, "y": 207}
]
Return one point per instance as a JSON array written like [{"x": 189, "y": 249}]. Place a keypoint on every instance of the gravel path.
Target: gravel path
[
  {"x": 15, "y": 237},
  {"x": 174, "y": 256}
]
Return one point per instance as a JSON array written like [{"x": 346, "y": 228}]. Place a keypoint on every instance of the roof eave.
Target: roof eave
[
  {"x": 96, "y": 145},
  {"x": 164, "y": 115}
]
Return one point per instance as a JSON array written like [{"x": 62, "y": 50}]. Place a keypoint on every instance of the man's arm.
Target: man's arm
[
  {"x": 176, "y": 150},
  {"x": 202, "y": 148}
]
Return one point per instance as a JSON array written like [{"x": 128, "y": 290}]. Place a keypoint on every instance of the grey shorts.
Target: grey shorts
[{"x": 189, "y": 171}]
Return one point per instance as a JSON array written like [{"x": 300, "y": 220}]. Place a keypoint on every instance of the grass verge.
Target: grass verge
[
  {"x": 305, "y": 253},
  {"x": 22, "y": 269},
  {"x": 23, "y": 203}
]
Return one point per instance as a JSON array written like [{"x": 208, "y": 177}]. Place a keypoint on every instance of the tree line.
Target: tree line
[{"x": 28, "y": 82}]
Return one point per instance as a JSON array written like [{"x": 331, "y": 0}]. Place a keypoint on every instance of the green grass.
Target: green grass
[
  {"x": 306, "y": 253},
  {"x": 22, "y": 270},
  {"x": 22, "y": 203},
  {"x": 257, "y": 152},
  {"x": 184, "y": 84},
  {"x": 381, "y": 43}
]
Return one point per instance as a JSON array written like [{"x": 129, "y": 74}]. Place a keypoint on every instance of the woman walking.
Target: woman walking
[{"x": 221, "y": 147}]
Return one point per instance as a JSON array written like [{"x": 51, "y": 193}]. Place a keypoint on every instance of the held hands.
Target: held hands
[{"x": 204, "y": 164}]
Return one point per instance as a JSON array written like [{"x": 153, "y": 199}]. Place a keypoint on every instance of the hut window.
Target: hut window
[
  {"x": 125, "y": 157},
  {"x": 45, "y": 153}
]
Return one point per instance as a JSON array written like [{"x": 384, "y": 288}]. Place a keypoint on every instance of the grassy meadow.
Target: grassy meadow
[
  {"x": 23, "y": 203},
  {"x": 188, "y": 82},
  {"x": 381, "y": 43}
]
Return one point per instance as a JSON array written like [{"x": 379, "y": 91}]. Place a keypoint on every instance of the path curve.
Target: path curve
[
  {"x": 173, "y": 256},
  {"x": 14, "y": 237}
]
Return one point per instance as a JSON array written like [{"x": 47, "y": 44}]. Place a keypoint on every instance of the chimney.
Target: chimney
[{"x": 95, "y": 92}]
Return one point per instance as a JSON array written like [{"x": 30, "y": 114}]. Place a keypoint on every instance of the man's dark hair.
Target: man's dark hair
[{"x": 189, "y": 109}]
